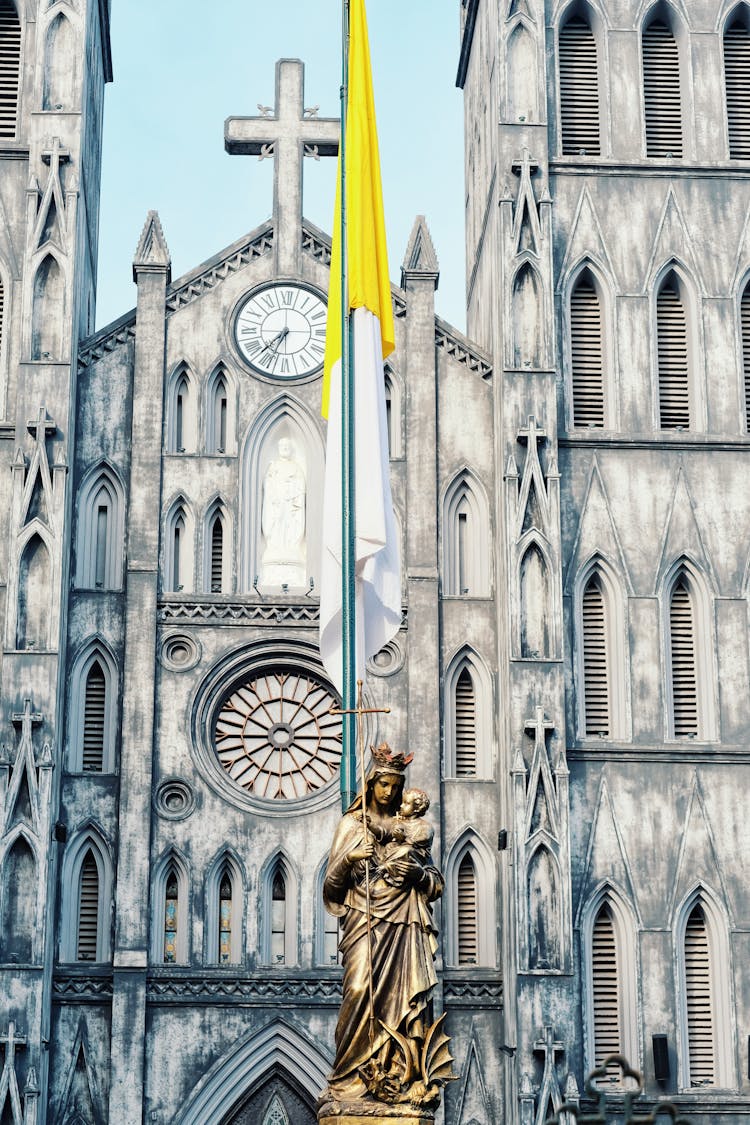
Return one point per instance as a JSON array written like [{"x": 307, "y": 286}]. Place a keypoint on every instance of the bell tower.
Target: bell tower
[{"x": 56, "y": 61}]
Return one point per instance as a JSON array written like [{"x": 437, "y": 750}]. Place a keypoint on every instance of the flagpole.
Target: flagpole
[{"x": 348, "y": 530}]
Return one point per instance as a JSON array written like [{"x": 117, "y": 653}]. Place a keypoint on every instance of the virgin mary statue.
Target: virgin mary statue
[{"x": 388, "y": 1050}]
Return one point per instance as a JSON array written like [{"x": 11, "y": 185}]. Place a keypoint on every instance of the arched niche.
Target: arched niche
[
  {"x": 18, "y": 890},
  {"x": 535, "y": 604},
  {"x": 60, "y": 83},
  {"x": 48, "y": 308},
  {"x": 101, "y": 518},
  {"x": 34, "y": 591},
  {"x": 543, "y": 886},
  {"x": 526, "y": 317},
  {"x": 281, "y": 499},
  {"x": 523, "y": 89}
]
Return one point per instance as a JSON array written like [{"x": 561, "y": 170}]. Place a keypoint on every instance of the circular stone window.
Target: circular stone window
[{"x": 274, "y": 735}]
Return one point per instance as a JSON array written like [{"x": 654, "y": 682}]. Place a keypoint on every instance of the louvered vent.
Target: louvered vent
[
  {"x": 466, "y": 725},
  {"x": 605, "y": 989},
  {"x": 684, "y": 687},
  {"x": 468, "y": 937},
  {"x": 579, "y": 89},
  {"x": 737, "y": 75},
  {"x": 745, "y": 318},
  {"x": 94, "y": 714},
  {"x": 698, "y": 1000},
  {"x": 661, "y": 91},
  {"x": 595, "y": 671},
  {"x": 10, "y": 58},
  {"x": 217, "y": 555},
  {"x": 88, "y": 910},
  {"x": 587, "y": 354},
  {"x": 674, "y": 383}
]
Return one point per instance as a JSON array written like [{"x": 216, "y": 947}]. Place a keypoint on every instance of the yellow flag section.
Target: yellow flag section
[
  {"x": 368, "y": 281},
  {"x": 377, "y": 556}
]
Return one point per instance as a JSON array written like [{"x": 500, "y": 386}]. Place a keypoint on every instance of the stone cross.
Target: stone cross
[
  {"x": 539, "y": 725},
  {"x": 27, "y": 718},
  {"x": 287, "y": 132}
]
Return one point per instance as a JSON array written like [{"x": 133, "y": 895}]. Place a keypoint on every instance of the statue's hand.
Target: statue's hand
[
  {"x": 407, "y": 870},
  {"x": 364, "y": 851}
]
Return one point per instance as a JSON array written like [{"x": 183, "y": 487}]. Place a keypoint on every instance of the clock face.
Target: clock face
[{"x": 280, "y": 330}]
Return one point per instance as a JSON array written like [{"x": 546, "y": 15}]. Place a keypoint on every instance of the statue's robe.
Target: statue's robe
[{"x": 403, "y": 942}]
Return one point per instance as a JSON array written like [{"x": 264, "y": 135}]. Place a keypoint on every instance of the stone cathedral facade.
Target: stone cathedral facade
[{"x": 573, "y": 668}]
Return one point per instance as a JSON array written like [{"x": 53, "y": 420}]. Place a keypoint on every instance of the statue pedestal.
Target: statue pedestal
[{"x": 409, "y": 1117}]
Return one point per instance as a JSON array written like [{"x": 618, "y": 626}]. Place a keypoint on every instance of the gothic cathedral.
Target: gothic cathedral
[{"x": 572, "y": 671}]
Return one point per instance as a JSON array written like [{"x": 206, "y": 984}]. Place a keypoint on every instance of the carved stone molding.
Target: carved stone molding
[
  {"x": 257, "y": 990},
  {"x": 75, "y": 987}
]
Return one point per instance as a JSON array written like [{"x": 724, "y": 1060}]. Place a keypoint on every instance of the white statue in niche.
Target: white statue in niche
[{"x": 283, "y": 518}]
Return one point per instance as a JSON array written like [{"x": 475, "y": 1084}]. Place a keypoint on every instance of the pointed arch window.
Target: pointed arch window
[
  {"x": 88, "y": 909},
  {"x": 466, "y": 725},
  {"x": 736, "y": 71},
  {"x": 178, "y": 570},
  {"x": 10, "y": 56},
  {"x": 661, "y": 90},
  {"x": 605, "y": 988},
  {"x": 181, "y": 413},
  {"x": 587, "y": 353},
  {"x": 596, "y": 673},
  {"x": 216, "y": 551},
  {"x": 170, "y": 941},
  {"x": 468, "y": 935},
  {"x": 745, "y": 331},
  {"x": 467, "y": 717},
  {"x": 171, "y": 917},
  {"x": 224, "y": 911},
  {"x": 99, "y": 546},
  {"x": 682, "y": 647},
  {"x": 93, "y": 712},
  {"x": 465, "y": 540},
  {"x": 673, "y": 356},
  {"x": 579, "y": 88},
  {"x": 87, "y": 896},
  {"x": 218, "y": 420},
  {"x": 278, "y": 919},
  {"x": 393, "y": 414},
  {"x": 609, "y": 951},
  {"x": 470, "y": 897},
  {"x": 279, "y": 944},
  {"x": 94, "y": 719},
  {"x": 698, "y": 999}
]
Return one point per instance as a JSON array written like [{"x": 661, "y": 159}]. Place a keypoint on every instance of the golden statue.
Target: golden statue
[{"x": 391, "y": 1058}]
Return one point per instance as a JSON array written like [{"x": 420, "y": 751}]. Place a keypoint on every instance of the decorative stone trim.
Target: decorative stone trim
[
  {"x": 480, "y": 990},
  {"x": 73, "y": 987},
  {"x": 182, "y": 294},
  {"x": 388, "y": 661},
  {"x": 245, "y": 613},
  {"x": 122, "y": 332},
  {"x": 260, "y": 990},
  {"x": 457, "y": 346},
  {"x": 239, "y": 613}
]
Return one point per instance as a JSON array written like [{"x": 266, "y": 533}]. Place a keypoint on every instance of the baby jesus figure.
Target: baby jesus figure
[{"x": 408, "y": 837}]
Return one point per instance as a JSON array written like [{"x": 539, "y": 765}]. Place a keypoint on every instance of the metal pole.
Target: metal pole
[{"x": 348, "y": 600}]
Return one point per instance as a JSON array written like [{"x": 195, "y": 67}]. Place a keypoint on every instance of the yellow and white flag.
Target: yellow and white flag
[{"x": 377, "y": 556}]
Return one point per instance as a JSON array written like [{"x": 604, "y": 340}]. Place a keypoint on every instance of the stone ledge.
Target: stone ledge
[{"x": 391, "y": 1114}]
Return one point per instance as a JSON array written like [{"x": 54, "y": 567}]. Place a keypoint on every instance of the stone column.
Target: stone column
[{"x": 151, "y": 271}]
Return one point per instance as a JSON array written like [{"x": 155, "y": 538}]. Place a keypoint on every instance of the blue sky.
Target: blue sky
[{"x": 181, "y": 67}]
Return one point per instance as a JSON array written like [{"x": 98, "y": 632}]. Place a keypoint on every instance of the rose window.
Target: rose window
[{"x": 275, "y": 737}]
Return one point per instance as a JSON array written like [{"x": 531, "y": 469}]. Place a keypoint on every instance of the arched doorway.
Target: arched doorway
[{"x": 276, "y": 1102}]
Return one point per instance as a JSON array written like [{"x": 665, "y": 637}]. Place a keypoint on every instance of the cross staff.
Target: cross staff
[{"x": 360, "y": 711}]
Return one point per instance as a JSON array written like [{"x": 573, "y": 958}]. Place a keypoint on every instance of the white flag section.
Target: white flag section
[{"x": 377, "y": 554}]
